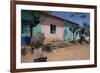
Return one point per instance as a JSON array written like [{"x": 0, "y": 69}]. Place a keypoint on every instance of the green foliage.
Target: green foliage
[
  {"x": 87, "y": 29},
  {"x": 33, "y": 17},
  {"x": 74, "y": 29},
  {"x": 80, "y": 15}
]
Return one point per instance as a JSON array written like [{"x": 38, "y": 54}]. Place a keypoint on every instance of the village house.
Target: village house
[{"x": 53, "y": 27}]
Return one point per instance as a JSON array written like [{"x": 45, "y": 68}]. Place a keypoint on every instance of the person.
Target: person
[
  {"x": 37, "y": 43},
  {"x": 39, "y": 55}
]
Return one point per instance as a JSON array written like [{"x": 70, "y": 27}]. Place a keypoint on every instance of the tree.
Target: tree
[
  {"x": 87, "y": 29},
  {"x": 79, "y": 29},
  {"x": 74, "y": 28},
  {"x": 78, "y": 15},
  {"x": 84, "y": 31},
  {"x": 35, "y": 17}
]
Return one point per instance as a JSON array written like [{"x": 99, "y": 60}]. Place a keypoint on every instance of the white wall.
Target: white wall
[{"x": 5, "y": 36}]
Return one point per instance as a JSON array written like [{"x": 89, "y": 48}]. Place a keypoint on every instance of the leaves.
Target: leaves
[
  {"x": 83, "y": 16},
  {"x": 74, "y": 28},
  {"x": 78, "y": 15},
  {"x": 33, "y": 17},
  {"x": 72, "y": 15}
]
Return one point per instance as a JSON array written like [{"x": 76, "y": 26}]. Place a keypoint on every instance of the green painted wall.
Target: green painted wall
[
  {"x": 36, "y": 29},
  {"x": 68, "y": 35},
  {"x": 27, "y": 17},
  {"x": 26, "y": 30}
]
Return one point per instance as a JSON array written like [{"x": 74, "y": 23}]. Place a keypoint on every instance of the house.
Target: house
[{"x": 54, "y": 28}]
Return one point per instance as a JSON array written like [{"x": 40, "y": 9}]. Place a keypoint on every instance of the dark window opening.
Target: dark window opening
[{"x": 52, "y": 28}]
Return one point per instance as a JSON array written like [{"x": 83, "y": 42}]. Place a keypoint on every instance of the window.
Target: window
[{"x": 52, "y": 28}]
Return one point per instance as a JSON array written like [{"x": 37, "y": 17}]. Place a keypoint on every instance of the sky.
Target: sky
[{"x": 76, "y": 17}]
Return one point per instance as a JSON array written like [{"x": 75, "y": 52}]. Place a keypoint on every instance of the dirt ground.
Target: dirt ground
[{"x": 74, "y": 52}]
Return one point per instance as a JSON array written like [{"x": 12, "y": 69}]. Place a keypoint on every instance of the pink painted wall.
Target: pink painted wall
[{"x": 45, "y": 28}]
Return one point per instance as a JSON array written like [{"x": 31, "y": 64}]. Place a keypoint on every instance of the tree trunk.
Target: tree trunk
[
  {"x": 73, "y": 36},
  {"x": 31, "y": 29},
  {"x": 31, "y": 32}
]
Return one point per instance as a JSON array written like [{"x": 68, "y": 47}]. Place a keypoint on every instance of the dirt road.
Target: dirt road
[{"x": 74, "y": 52}]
